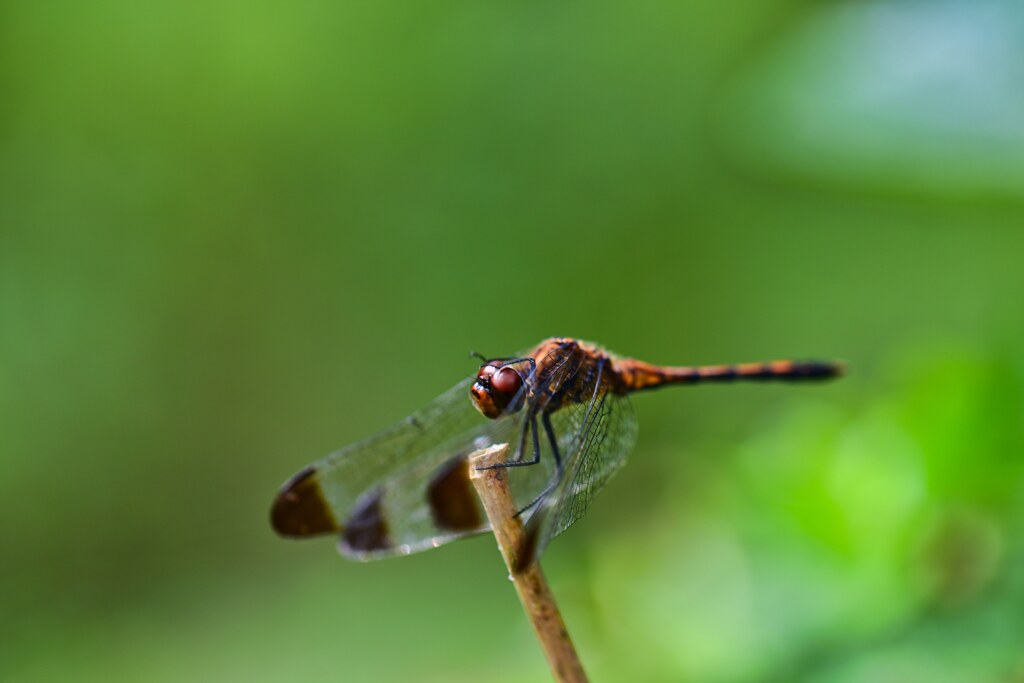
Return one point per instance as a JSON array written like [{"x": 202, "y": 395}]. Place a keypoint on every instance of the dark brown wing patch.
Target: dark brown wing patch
[
  {"x": 453, "y": 501},
  {"x": 366, "y": 529},
  {"x": 300, "y": 508}
]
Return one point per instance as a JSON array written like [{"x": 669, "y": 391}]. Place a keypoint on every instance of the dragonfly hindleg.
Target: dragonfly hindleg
[{"x": 557, "y": 476}]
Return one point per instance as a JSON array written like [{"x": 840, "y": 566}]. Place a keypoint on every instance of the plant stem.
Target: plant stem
[{"x": 538, "y": 602}]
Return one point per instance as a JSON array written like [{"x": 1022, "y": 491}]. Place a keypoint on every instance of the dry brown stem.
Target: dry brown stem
[{"x": 538, "y": 602}]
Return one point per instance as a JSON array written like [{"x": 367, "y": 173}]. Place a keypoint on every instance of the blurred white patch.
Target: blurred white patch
[{"x": 907, "y": 94}]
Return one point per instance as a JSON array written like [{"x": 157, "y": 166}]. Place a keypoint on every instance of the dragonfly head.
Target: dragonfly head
[{"x": 497, "y": 389}]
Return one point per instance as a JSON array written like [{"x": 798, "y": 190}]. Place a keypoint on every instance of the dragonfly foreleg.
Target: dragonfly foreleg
[
  {"x": 508, "y": 360},
  {"x": 505, "y": 362},
  {"x": 529, "y": 425}
]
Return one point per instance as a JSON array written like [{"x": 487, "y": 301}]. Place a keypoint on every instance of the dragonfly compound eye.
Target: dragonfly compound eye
[
  {"x": 495, "y": 389},
  {"x": 506, "y": 381},
  {"x": 506, "y": 385}
]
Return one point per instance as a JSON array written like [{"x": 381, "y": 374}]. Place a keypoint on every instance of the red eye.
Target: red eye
[{"x": 506, "y": 381}]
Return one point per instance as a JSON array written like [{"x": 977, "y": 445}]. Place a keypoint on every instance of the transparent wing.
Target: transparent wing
[
  {"x": 327, "y": 495},
  {"x": 431, "y": 501},
  {"x": 407, "y": 487},
  {"x": 445, "y": 422},
  {"x": 596, "y": 438},
  {"x": 608, "y": 438}
]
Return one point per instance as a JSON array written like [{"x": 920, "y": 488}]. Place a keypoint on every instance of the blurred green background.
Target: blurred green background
[{"x": 237, "y": 235}]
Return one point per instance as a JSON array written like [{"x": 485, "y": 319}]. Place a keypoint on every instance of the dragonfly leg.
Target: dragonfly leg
[
  {"x": 516, "y": 361},
  {"x": 553, "y": 442},
  {"x": 530, "y": 425},
  {"x": 505, "y": 362}
]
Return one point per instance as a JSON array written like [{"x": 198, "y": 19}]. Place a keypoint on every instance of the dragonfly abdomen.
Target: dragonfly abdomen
[{"x": 636, "y": 375}]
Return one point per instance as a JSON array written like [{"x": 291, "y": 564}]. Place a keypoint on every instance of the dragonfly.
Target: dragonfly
[{"x": 565, "y": 407}]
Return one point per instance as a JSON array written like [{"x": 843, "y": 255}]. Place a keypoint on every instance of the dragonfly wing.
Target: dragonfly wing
[
  {"x": 347, "y": 490},
  {"x": 424, "y": 504},
  {"x": 595, "y": 438}
]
